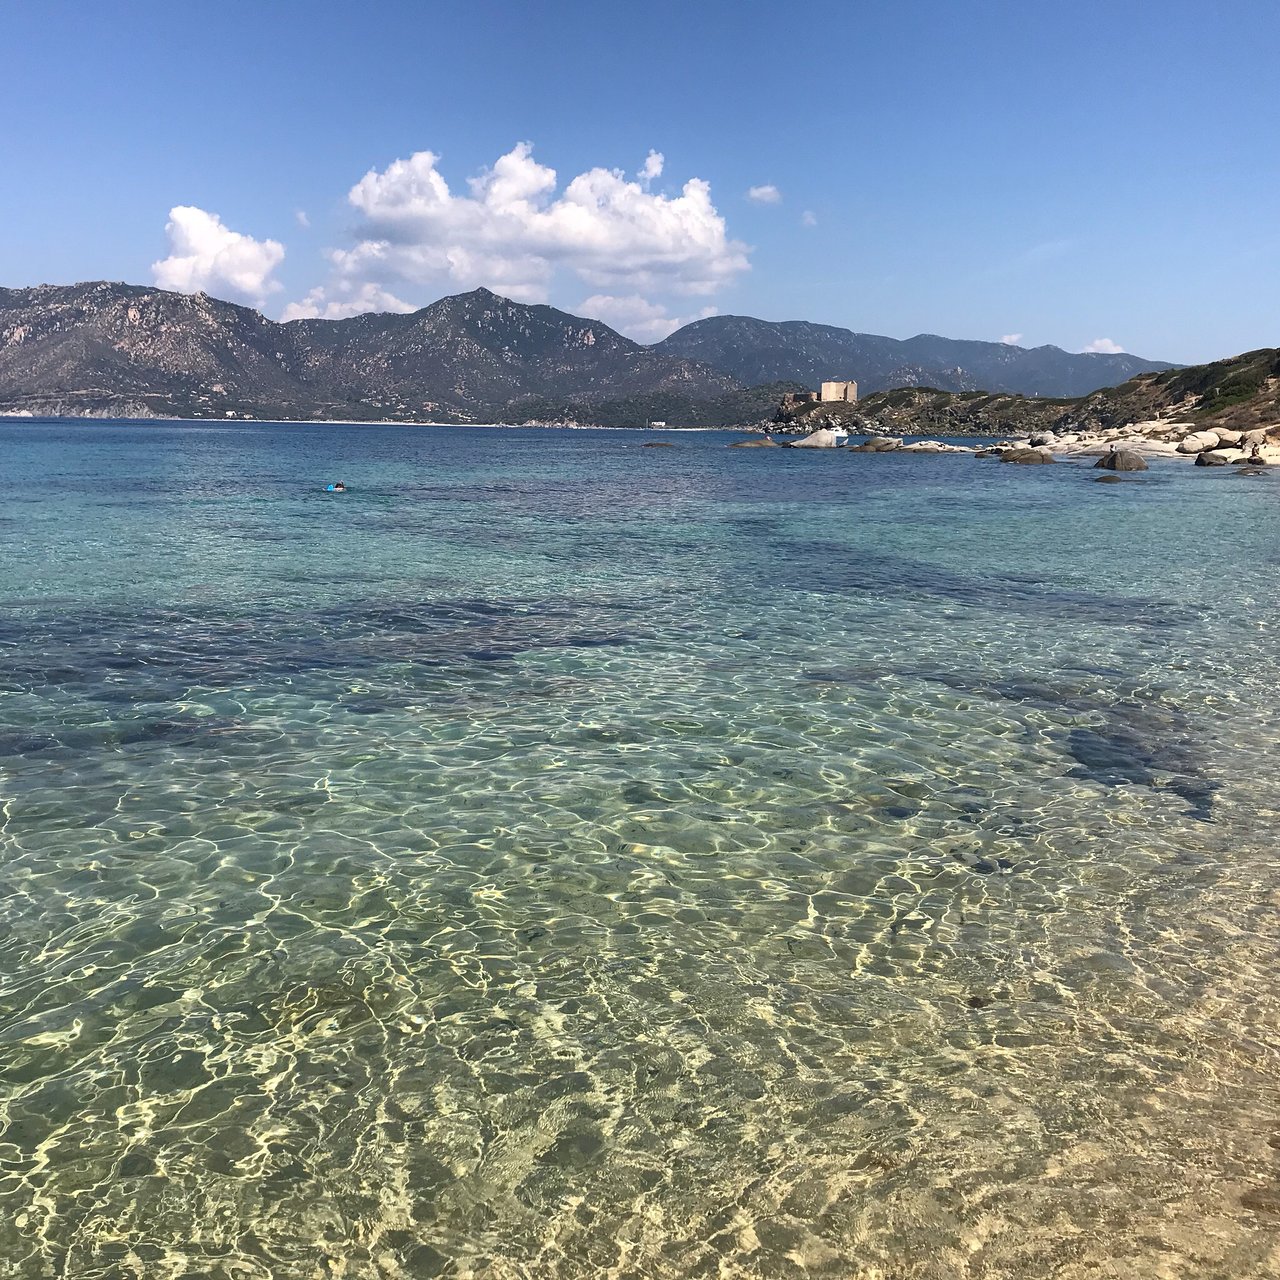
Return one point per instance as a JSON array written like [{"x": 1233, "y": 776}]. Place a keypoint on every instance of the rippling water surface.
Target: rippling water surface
[{"x": 560, "y": 858}]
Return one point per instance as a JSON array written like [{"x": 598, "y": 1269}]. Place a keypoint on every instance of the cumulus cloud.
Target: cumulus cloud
[
  {"x": 322, "y": 305},
  {"x": 1104, "y": 346},
  {"x": 302, "y": 218},
  {"x": 652, "y": 168},
  {"x": 514, "y": 228},
  {"x": 808, "y": 218},
  {"x": 766, "y": 194},
  {"x": 637, "y": 317},
  {"x": 1011, "y": 339},
  {"x": 206, "y": 255}
]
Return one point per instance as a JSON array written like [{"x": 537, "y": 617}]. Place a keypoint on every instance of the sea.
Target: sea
[{"x": 557, "y": 856}]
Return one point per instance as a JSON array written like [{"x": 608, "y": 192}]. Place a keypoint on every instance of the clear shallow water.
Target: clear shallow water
[{"x": 557, "y": 857}]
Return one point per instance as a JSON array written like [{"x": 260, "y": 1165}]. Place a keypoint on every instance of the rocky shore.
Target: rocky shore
[{"x": 1115, "y": 448}]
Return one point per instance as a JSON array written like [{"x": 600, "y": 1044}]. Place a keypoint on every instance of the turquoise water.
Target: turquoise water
[{"x": 558, "y": 857}]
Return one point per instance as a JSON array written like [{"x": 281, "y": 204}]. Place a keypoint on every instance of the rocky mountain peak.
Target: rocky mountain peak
[{"x": 100, "y": 345}]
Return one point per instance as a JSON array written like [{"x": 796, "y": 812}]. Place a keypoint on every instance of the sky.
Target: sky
[{"x": 1100, "y": 176}]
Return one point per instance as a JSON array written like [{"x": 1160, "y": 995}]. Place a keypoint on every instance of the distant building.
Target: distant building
[
  {"x": 791, "y": 400},
  {"x": 839, "y": 391}
]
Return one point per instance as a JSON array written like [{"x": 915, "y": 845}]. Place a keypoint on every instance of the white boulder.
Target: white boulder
[
  {"x": 1198, "y": 442},
  {"x": 823, "y": 438}
]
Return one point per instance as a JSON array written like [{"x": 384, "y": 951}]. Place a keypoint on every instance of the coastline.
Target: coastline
[
  {"x": 20, "y": 418},
  {"x": 1156, "y": 439}
]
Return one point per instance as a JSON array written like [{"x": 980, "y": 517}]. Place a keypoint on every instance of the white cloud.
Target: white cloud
[
  {"x": 1011, "y": 339},
  {"x": 808, "y": 218},
  {"x": 766, "y": 194},
  {"x": 637, "y": 317},
  {"x": 206, "y": 255},
  {"x": 652, "y": 168},
  {"x": 1104, "y": 346},
  {"x": 302, "y": 219},
  {"x": 318, "y": 304},
  {"x": 515, "y": 228}
]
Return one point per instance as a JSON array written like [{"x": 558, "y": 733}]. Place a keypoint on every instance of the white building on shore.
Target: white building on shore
[{"x": 839, "y": 392}]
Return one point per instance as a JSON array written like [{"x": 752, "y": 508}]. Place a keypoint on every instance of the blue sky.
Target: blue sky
[{"x": 1078, "y": 174}]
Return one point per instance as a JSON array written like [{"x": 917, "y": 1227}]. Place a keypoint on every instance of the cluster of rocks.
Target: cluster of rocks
[
  {"x": 888, "y": 444},
  {"x": 1222, "y": 446},
  {"x": 1162, "y": 437},
  {"x": 1015, "y": 451},
  {"x": 1116, "y": 448}
]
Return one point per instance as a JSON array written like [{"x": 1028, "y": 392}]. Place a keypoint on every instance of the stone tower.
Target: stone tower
[{"x": 844, "y": 391}]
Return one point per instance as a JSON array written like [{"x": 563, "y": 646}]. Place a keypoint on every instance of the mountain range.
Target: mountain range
[
  {"x": 131, "y": 350},
  {"x": 761, "y": 351}
]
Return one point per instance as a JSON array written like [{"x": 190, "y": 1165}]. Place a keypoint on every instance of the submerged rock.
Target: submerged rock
[
  {"x": 765, "y": 442},
  {"x": 878, "y": 444},
  {"x": 1027, "y": 455},
  {"x": 1122, "y": 460}
]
